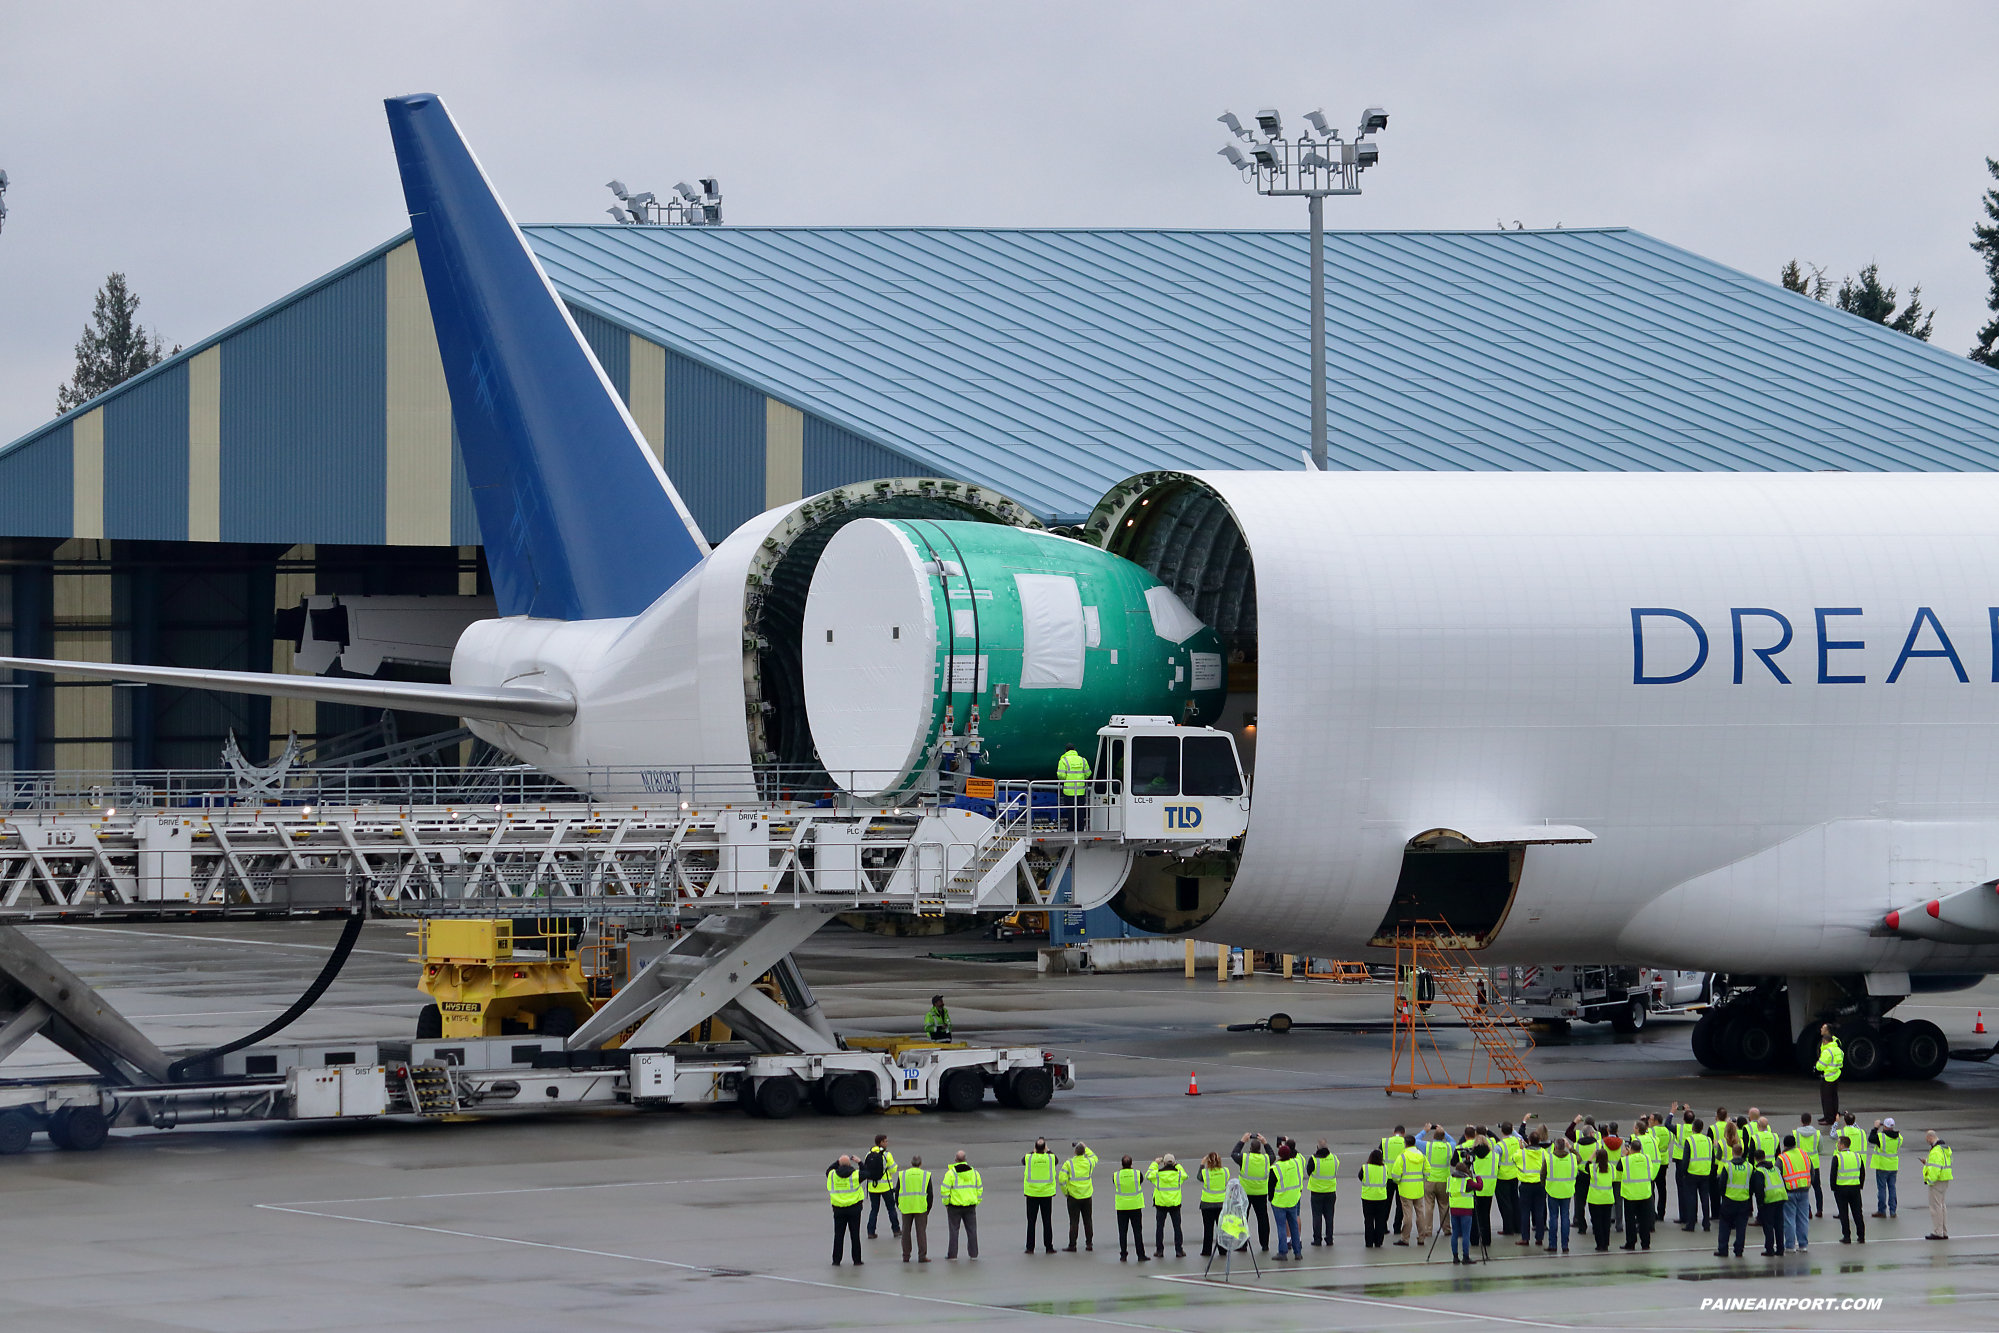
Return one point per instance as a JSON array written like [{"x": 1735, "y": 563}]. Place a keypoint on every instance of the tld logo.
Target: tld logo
[{"x": 1183, "y": 816}]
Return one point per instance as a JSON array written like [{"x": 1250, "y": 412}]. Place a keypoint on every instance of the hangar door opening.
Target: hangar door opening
[{"x": 1447, "y": 878}]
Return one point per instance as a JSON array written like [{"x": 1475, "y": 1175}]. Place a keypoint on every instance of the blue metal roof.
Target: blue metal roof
[{"x": 1053, "y": 363}]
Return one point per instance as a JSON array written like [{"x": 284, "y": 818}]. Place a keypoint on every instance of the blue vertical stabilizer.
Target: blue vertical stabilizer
[{"x": 578, "y": 519}]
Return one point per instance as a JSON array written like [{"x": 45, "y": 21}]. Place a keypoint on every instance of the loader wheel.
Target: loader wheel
[
  {"x": 777, "y": 1098},
  {"x": 429, "y": 1023},
  {"x": 1033, "y": 1089},
  {"x": 558, "y": 1022},
  {"x": 962, "y": 1090},
  {"x": 15, "y": 1131},
  {"x": 79, "y": 1128},
  {"x": 847, "y": 1095}
]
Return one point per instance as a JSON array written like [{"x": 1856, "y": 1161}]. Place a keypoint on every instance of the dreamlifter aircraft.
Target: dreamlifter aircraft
[{"x": 1734, "y": 722}]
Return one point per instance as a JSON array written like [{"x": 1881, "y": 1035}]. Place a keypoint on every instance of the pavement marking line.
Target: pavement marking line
[
  {"x": 1403, "y": 1306},
  {"x": 541, "y": 1189},
  {"x": 719, "y": 1271},
  {"x": 219, "y": 939}
]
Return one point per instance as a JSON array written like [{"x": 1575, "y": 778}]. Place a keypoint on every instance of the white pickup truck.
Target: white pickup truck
[{"x": 1625, "y": 997}]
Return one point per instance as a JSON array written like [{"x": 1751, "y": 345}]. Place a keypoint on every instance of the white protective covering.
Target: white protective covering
[
  {"x": 870, "y": 657},
  {"x": 1053, "y": 632},
  {"x": 1171, "y": 620}
]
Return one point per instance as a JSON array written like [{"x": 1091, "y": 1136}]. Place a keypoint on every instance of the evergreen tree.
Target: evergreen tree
[
  {"x": 1816, "y": 286},
  {"x": 114, "y": 346},
  {"x": 1866, "y": 297},
  {"x": 1987, "y": 245}
]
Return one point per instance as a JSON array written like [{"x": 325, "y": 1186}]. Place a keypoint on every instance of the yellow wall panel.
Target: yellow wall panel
[
  {"x": 87, "y": 474},
  {"x": 204, "y": 446},
  {"x": 648, "y": 393},
  {"x": 784, "y": 453},
  {"x": 289, "y": 715},
  {"x": 419, "y": 406}
]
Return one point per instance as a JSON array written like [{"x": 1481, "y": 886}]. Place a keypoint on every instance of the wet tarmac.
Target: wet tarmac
[{"x": 700, "y": 1220}]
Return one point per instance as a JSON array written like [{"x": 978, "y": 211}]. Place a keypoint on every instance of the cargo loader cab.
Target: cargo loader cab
[{"x": 1157, "y": 780}]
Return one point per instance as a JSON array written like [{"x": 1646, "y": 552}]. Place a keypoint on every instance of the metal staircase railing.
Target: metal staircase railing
[{"x": 1417, "y": 1061}]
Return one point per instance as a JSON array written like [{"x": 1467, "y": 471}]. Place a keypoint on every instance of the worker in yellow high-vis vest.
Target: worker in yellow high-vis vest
[
  {"x": 844, "y": 1190},
  {"x": 1073, "y": 771},
  {"x": 1167, "y": 1178},
  {"x": 1832, "y": 1059},
  {"x": 1937, "y": 1175},
  {"x": 1039, "y": 1170},
  {"x": 1322, "y": 1184},
  {"x": 962, "y": 1191},
  {"x": 915, "y": 1193},
  {"x": 1373, "y": 1177},
  {"x": 1080, "y": 1190},
  {"x": 1128, "y": 1191}
]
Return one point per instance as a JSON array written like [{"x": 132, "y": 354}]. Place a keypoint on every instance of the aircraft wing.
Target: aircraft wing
[{"x": 523, "y": 707}]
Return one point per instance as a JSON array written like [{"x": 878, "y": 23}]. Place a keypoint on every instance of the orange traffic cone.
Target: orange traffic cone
[
  {"x": 1980, "y": 1029},
  {"x": 1194, "y": 1084}
]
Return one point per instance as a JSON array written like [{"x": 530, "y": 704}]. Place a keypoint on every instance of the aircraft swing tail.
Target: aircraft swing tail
[{"x": 579, "y": 520}]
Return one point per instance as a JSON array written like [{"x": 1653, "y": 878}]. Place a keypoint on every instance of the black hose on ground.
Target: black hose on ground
[{"x": 341, "y": 949}]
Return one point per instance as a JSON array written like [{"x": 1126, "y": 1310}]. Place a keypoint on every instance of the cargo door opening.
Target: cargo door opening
[{"x": 1446, "y": 877}]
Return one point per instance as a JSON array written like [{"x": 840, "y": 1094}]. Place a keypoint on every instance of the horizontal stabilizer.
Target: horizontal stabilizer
[{"x": 528, "y": 708}]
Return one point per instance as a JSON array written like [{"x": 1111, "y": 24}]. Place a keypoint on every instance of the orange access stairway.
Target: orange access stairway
[{"x": 1416, "y": 1060}]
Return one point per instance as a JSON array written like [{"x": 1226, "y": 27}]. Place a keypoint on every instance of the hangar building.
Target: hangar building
[{"x": 309, "y": 448}]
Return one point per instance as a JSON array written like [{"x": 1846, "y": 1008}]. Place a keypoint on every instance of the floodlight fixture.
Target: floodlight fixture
[
  {"x": 1313, "y": 165},
  {"x": 616, "y": 187},
  {"x": 618, "y": 214},
  {"x": 686, "y": 191},
  {"x": 711, "y": 186},
  {"x": 639, "y": 201}
]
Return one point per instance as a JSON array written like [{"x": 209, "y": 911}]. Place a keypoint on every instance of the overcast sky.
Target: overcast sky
[{"x": 222, "y": 155}]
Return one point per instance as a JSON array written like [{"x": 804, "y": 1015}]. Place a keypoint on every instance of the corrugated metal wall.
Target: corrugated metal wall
[
  {"x": 35, "y": 481},
  {"x": 145, "y": 459},
  {"x": 714, "y": 445},
  {"x": 613, "y": 348},
  {"x": 834, "y": 457},
  {"x": 304, "y": 426}
]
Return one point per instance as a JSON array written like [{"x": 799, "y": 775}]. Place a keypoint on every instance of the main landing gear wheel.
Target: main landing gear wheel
[
  {"x": 1915, "y": 1050},
  {"x": 15, "y": 1131},
  {"x": 1866, "y": 1055},
  {"x": 1706, "y": 1029},
  {"x": 1761, "y": 1045}
]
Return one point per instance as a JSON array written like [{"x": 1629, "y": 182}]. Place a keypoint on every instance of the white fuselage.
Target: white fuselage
[
  {"x": 1456, "y": 650},
  {"x": 1443, "y": 650}
]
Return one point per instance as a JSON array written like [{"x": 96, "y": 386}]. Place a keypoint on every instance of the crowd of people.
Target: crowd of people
[{"x": 1590, "y": 1180}]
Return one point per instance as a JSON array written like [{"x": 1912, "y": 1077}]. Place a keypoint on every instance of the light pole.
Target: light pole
[{"x": 1312, "y": 167}]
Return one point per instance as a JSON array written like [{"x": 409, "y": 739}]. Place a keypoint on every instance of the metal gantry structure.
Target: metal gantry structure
[{"x": 1312, "y": 164}]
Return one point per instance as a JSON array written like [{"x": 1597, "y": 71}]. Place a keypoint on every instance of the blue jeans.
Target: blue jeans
[
  {"x": 1798, "y": 1219},
  {"x": 1287, "y": 1229},
  {"x": 1558, "y": 1223},
  {"x": 875, "y": 1202},
  {"x": 1884, "y": 1192},
  {"x": 1461, "y": 1235}
]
